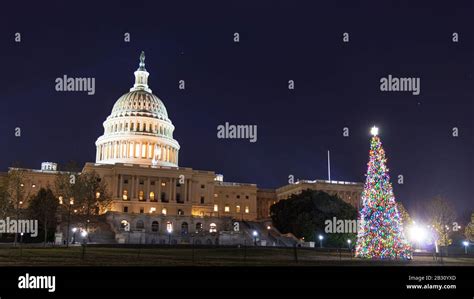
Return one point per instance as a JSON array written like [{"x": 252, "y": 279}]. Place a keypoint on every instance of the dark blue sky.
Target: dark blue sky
[{"x": 336, "y": 86}]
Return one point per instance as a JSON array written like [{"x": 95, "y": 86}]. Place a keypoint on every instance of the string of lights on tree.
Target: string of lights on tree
[{"x": 380, "y": 234}]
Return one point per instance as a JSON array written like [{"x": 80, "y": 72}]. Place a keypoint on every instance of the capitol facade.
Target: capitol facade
[{"x": 154, "y": 200}]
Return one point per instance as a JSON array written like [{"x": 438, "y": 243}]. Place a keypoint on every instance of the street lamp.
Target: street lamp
[
  {"x": 255, "y": 234},
  {"x": 169, "y": 229},
  {"x": 320, "y": 237},
  {"x": 417, "y": 234},
  {"x": 349, "y": 243},
  {"x": 466, "y": 245}
]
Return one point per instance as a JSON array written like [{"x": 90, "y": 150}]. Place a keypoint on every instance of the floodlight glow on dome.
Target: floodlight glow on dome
[{"x": 138, "y": 130}]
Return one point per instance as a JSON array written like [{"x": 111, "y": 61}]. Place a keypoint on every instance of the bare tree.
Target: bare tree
[
  {"x": 469, "y": 231},
  {"x": 442, "y": 217},
  {"x": 16, "y": 192},
  {"x": 43, "y": 207},
  {"x": 89, "y": 192}
]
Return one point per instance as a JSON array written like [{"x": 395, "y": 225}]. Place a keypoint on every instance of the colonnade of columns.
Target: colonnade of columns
[{"x": 140, "y": 150}]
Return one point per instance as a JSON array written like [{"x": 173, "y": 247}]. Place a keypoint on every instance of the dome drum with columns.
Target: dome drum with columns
[{"x": 138, "y": 131}]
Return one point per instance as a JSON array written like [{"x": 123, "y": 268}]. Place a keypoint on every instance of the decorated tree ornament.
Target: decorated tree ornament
[{"x": 380, "y": 234}]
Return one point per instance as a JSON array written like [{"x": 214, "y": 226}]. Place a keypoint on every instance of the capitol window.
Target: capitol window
[
  {"x": 125, "y": 195},
  {"x": 213, "y": 228},
  {"x": 216, "y": 208},
  {"x": 141, "y": 195},
  {"x": 198, "y": 227},
  {"x": 247, "y": 209},
  {"x": 237, "y": 209},
  {"x": 137, "y": 150},
  {"x": 155, "y": 226},
  {"x": 140, "y": 224},
  {"x": 164, "y": 211},
  {"x": 227, "y": 209},
  {"x": 152, "y": 196}
]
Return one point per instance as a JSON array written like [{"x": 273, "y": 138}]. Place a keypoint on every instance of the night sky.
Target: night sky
[{"x": 336, "y": 86}]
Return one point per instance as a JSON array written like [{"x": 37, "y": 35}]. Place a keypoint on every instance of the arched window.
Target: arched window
[
  {"x": 184, "y": 228},
  {"x": 212, "y": 228},
  {"x": 198, "y": 227},
  {"x": 140, "y": 224},
  {"x": 169, "y": 227},
  {"x": 155, "y": 226}
]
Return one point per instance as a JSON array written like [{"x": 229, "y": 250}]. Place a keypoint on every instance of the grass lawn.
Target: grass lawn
[{"x": 183, "y": 256}]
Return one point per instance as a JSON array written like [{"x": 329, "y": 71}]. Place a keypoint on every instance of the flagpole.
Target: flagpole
[{"x": 329, "y": 167}]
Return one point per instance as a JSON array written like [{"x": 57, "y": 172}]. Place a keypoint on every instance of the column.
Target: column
[
  {"x": 132, "y": 187},
  {"x": 174, "y": 189},
  {"x": 120, "y": 186},
  {"x": 137, "y": 186},
  {"x": 171, "y": 189},
  {"x": 185, "y": 197},
  {"x": 147, "y": 189},
  {"x": 190, "y": 190},
  {"x": 159, "y": 190}
]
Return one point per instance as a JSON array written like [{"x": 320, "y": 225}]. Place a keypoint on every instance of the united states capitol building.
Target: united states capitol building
[{"x": 154, "y": 200}]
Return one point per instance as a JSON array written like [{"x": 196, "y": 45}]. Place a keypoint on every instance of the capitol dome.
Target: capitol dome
[{"x": 138, "y": 131}]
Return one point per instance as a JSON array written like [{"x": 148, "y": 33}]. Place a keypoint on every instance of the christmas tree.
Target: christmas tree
[{"x": 380, "y": 234}]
